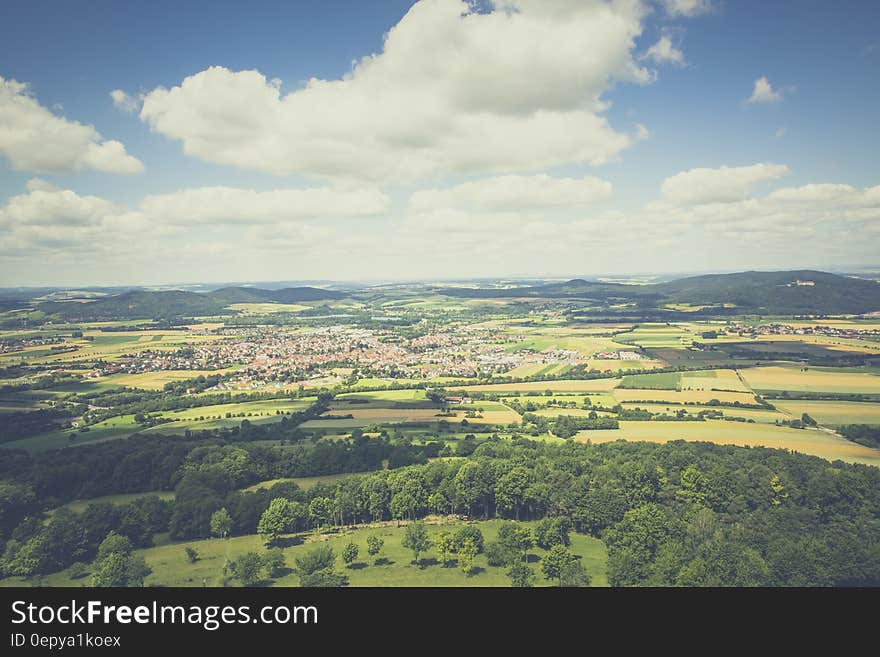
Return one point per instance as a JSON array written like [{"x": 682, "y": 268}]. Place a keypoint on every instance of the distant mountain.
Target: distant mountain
[
  {"x": 783, "y": 292},
  {"x": 285, "y": 295},
  {"x": 780, "y": 292},
  {"x": 175, "y": 304},
  {"x": 141, "y": 304},
  {"x": 575, "y": 288}
]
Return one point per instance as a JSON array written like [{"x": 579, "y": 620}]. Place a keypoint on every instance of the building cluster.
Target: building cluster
[
  {"x": 787, "y": 329},
  {"x": 11, "y": 346},
  {"x": 267, "y": 356}
]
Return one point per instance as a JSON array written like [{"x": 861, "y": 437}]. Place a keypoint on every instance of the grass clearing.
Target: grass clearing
[
  {"x": 113, "y": 428},
  {"x": 172, "y": 568}
]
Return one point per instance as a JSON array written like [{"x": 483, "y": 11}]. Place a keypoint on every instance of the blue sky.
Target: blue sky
[{"x": 524, "y": 138}]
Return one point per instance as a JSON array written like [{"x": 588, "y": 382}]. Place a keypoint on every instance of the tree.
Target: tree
[
  {"x": 374, "y": 545},
  {"x": 191, "y": 553},
  {"x": 278, "y": 519},
  {"x": 350, "y": 553},
  {"x": 511, "y": 546},
  {"x": 221, "y": 523},
  {"x": 444, "y": 544},
  {"x": 246, "y": 568},
  {"x": 469, "y": 532},
  {"x": 521, "y": 576},
  {"x": 116, "y": 565},
  {"x": 552, "y": 531},
  {"x": 564, "y": 567},
  {"x": 466, "y": 555},
  {"x": 315, "y": 568},
  {"x": 274, "y": 563},
  {"x": 416, "y": 539}
]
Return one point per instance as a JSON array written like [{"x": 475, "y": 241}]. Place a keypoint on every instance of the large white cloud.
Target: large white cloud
[
  {"x": 453, "y": 90},
  {"x": 47, "y": 217},
  {"x": 234, "y": 205},
  {"x": 33, "y": 139},
  {"x": 704, "y": 185},
  {"x": 514, "y": 192},
  {"x": 46, "y": 206}
]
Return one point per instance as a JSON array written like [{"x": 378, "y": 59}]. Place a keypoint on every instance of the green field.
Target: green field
[
  {"x": 113, "y": 428},
  {"x": 566, "y": 385},
  {"x": 661, "y": 381},
  {"x": 172, "y": 568},
  {"x": 214, "y": 416},
  {"x": 78, "y": 506},
  {"x": 306, "y": 483},
  {"x": 657, "y": 335}
]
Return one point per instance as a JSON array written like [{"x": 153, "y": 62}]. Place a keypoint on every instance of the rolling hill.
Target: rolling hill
[
  {"x": 780, "y": 292},
  {"x": 176, "y": 304}
]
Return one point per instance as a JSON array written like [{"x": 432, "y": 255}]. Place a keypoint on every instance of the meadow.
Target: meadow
[{"x": 171, "y": 567}]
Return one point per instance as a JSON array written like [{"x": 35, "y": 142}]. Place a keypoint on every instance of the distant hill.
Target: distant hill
[
  {"x": 802, "y": 291},
  {"x": 174, "y": 304},
  {"x": 141, "y": 304},
  {"x": 781, "y": 292},
  {"x": 285, "y": 295}
]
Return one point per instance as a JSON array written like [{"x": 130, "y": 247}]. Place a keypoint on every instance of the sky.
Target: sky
[{"x": 167, "y": 142}]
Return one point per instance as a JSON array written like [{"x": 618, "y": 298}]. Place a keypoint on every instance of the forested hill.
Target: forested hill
[
  {"x": 780, "y": 292},
  {"x": 175, "y": 304},
  {"x": 285, "y": 295},
  {"x": 801, "y": 291},
  {"x": 164, "y": 305}
]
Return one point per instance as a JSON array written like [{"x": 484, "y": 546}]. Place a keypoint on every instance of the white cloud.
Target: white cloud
[
  {"x": 233, "y": 205},
  {"x": 688, "y": 8},
  {"x": 123, "y": 101},
  {"x": 664, "y": 52},
  {"x": 514, "y": 192},
  {"x": 34, "y": 139},
  {"x": 780, "y": 133},
  {"x": 53, "y": 207},
  {"x": 40, "y": 185},
  {"x": 763, "y": 92},
  {"x": 718, "y": 185},
  {"x": 453, "y": 90}
]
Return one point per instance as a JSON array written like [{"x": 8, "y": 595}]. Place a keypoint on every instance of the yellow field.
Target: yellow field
[
  {"x": 682, "y": 396},
  {"x": 765, "y": 416},
  {"x": 156, "y": 380},
  {"x": 813, "y": 380},
  {"x": 555, "y": 411},
  {"x": 573, "y": 385},
  {"x": 832, "y": 412},
  {"x": 808, "y": 441}
]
